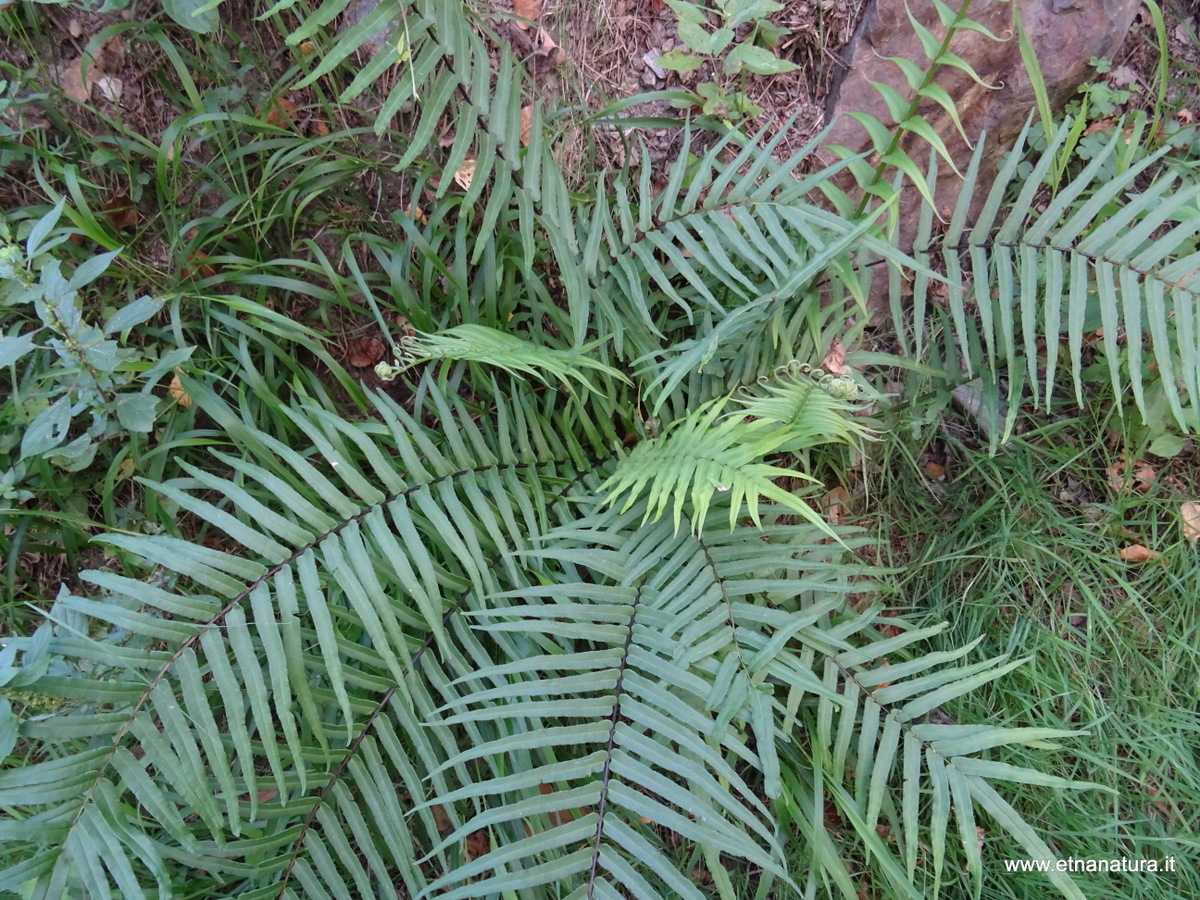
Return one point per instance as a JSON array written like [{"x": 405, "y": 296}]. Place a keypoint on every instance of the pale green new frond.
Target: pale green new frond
[
  {"x": 697, "y": 460},
  {"x": 709, "y": 454},
  {"x": 478, "y": 343}
]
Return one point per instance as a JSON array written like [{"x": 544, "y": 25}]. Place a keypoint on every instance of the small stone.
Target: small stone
[
  {"x": 651, "y": 61},
  {"x": 110, "y": 88},
  {"x": 649, "y": 79}
]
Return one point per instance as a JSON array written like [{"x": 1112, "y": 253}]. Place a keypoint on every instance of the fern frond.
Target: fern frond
[
  {"x": 478, "y": 343},
  {"x": 1107, "y": 255},
  {"x": 697, "y": 459}
]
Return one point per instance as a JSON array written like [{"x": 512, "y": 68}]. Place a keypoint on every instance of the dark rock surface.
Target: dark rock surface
[{"x": 1065, "y": 35}]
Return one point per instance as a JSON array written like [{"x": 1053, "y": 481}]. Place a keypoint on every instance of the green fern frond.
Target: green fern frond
[
  {"x": 407, "y": 631},
  {"x": 699, "y": 459},
  {"x": 478, "y": 343},
  {"x": 1107, "y": 254}
]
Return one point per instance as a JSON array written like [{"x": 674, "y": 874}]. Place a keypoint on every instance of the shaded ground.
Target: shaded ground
[{"x": 590, "y": 54}]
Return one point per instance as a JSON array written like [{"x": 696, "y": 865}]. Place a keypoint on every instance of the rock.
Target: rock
[
  {"x": 1065, "y": 35},
  {"x": 355, "y": 13},
  {"x": 651, "y": 61}
]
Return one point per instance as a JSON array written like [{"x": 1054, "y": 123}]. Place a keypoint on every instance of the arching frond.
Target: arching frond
[
  {"x": 432, "y": 659},
  {"x": 1110, "y": 262}
]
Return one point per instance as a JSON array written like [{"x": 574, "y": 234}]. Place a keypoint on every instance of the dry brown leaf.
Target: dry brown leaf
[
  {"x": 836, "y": 503},
  {"x": 1190, "y": 513},
  {"x": 886, "y": 662},
  {"x": 935, "y": 471},
  {"x": 196, "y": 267},
  {"x": 890, "y": 631},
  {"x": 365, "y": 352},
  {"x": 176, "y": 392},
  {"x": 110, "y": 57},
  {"x": 1138, "y": 553},
  {"x": 549, "y": 50},
  {"x": 111, "y": 88},
  {"x": 562, "y": 816},
  {"x": 527, "y": 9},
  {"x": 121, "y": 212},
  {"x": 440, "y": 818},
  {"x": 279, "y": 113},
  {"x": 1128, "y": 474},
  {"x": 526, "y": 124},
  {"x": 73, "y": 83},
  {"x": 465, "y": 174},
  {"x": 835, "y": 360},
  {"x": 478, "y": 844}
]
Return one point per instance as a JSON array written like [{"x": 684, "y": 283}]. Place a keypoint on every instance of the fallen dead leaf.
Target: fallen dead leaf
[
  {"x": 176, "y": 392},
  {"x": 526, "y": 124},
  {"x": 890, "y": 631},
  {"x": 198, "y": 268},
  {"x": 478, "y": 844},
  {"x": 935, "y": 471},
  {"x": 279, "y": 112},
  {"x": 111, "y": 88},
  {"x": 1128, "y": 474},
  {"x": 837, "y": 503},
  {"x": 835, "y": 360},
  {"x": 465, "y": 174},
  {"x": 549, "y": 50},
  {"x": 1138, "y": 553},
  {"x": 417, "y": 214},
  {"x": 73, "y": 83},
  {"x": 440, "y": 818},
  {"x": 884, "y": 664},
  {"x": 365, "y": 352},
  {"x": 527, "y": 9},
  {"x": 110, "y": 57},
  {"x": 121, "y": 212},
  {"x": 1189, "y": 512}
]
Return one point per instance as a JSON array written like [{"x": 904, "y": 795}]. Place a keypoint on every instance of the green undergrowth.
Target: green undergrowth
[
  {"x": 1023, "y": 548},
  {"x": 566, "y": 539}
]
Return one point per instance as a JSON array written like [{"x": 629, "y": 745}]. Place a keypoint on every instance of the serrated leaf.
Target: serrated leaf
[
  {"x": 13, "y": 347},
  {"x": 136, "y": 412},
  {"x": 48, "y": 429},
  {"x": 758, "y": 60}
]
